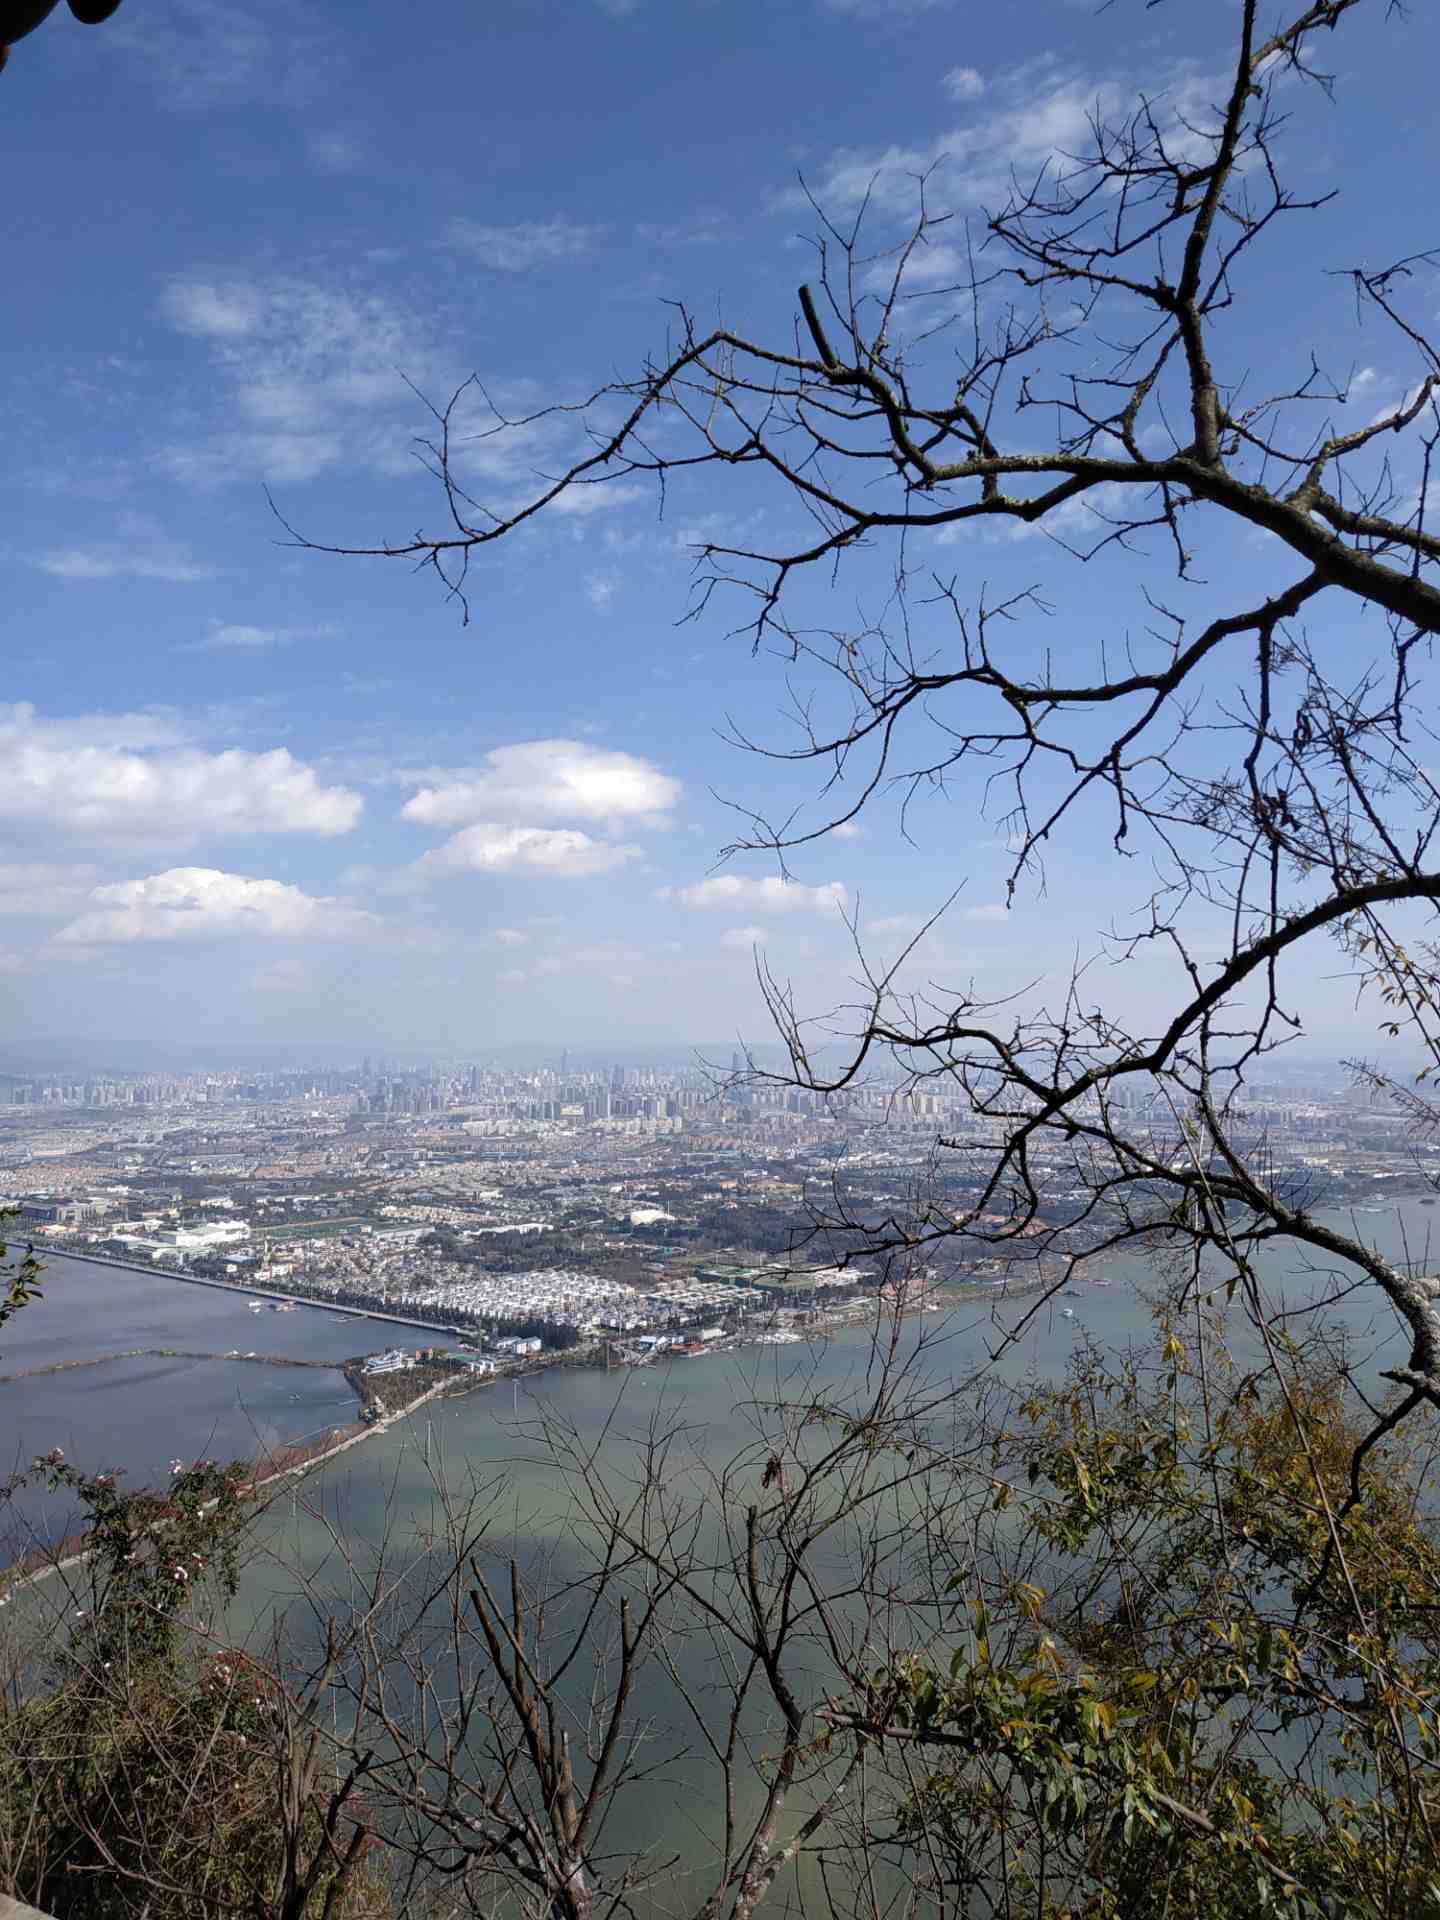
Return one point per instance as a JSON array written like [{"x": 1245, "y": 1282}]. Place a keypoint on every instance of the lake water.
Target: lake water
[
  {"x": 90, "y": 1309},
  {"x": 386, "y": 1489},
  {"x": 135, "y": 1415},
  {"x": 490, "y": 1435}
]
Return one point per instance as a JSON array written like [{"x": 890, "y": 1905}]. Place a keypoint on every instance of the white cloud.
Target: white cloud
[
  {"x": 215, "y": 310},
  {"x": 523, "y": 245},
  {"x": 770, "y": 895},
  {"x": 201, "y": 903},
  {"x": 1083, "y": 518},
  {"x": 227, "y": 636},
  {"x": 311, "y": 375},
  {"x": 135, "y": 731},
  {"x": 239, "y": 639},
  {"x": 587, "y": 497},
  {"x": 546, "y": 781},
  {"x": 1408, "y": 399},
  {"x": 600, "y": 589},
  {"x": 934, "y": 263},
  {"x": 964, "y": 83},
  {"x": 128, "y": 776},
  {"x": 847, "y": 830},
  {"x": 139, "y": 551},
  {"x": 561, "y": 852},
  {"x": 510, "y": 937},
  {"x": 994, "y": 910},
  {"x": 307, "y": 375},
  {"x": 203, "y": 54},
  {"x": 743, "y": 937},
  {"x": 1039, "y": 115},
  {"x": 101, "y": 563}
]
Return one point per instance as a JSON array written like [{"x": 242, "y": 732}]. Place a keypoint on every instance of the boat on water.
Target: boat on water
[{"x": 1068, "y": 1312}]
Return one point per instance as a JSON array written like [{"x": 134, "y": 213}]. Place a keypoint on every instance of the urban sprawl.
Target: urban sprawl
[{"x": 565, "y": 1206}]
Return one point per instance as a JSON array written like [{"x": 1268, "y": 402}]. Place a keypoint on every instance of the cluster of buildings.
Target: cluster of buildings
[
  {"x": 557, "y": 1296},
  {"x": 634, "y": 1202}
]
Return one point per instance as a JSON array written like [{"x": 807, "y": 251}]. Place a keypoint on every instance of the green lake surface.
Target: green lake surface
[{"x": 136, "y": 1415}]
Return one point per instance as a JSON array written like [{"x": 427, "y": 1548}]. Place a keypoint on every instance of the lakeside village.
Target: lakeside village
[{"x": 598, "y": 1211}]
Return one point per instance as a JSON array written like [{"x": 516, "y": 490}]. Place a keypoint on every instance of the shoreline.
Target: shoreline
[
  {"x": 342, "y": 1439},
  {"x": 17, "y": 1577},
  {"x": 964, "y": 1294}
]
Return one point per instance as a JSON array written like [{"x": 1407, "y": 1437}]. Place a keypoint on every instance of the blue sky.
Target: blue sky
[{"x": 254, "y": 792}]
